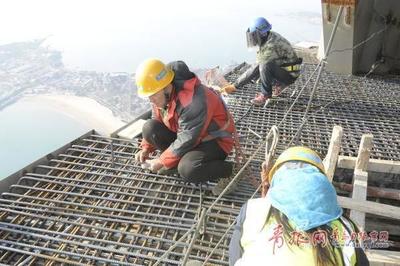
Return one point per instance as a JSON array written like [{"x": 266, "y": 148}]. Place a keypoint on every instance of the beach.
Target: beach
[{"x": 84, "y": 110}]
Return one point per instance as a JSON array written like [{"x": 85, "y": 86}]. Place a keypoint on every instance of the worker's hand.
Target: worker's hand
[
  {"x": 154, "y": 165},
  {"x": 228, "y": 89},
  {"x": 264, "y": 167},
  {"x": 142, "y": 155},
  {"x": 264, "y": 179}
]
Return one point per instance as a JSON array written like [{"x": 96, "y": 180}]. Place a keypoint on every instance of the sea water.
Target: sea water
[{"x": 30, "y": 130}]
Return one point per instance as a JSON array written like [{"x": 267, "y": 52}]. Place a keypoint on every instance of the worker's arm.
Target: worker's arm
[
  {"x": 252, "y": 72},
  {"x": 235, "y": 249},
  {"x": 192, "y": 119},
  {"x": 145, "y": 147},
  {"x": 142, "y": 155}
]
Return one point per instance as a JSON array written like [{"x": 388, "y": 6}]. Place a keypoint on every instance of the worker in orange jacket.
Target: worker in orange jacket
[{"x": 190, "y": 124}]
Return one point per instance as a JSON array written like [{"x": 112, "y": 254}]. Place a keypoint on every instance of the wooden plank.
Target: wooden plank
[
  {"x": 332, "y": 156},
  {"x": 360, "y": 182},
  {"x": 133, "y": 130},
  {"x": 360, "y": 178},
  {"x": 379, "y": 209},
  {"x": 374, "y": 165},
  {"x": 383, "y": 257},
  {"x": 340, "y": 2},
  {"x": 363, "y": 152},
  {"x": 372, "y": 225},
  {"x": 375, "y": 192}
]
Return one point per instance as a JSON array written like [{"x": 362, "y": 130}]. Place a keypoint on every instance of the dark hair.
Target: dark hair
[
  {"x": 264, "y": 39},
  {"x": 324, "y": 255}
]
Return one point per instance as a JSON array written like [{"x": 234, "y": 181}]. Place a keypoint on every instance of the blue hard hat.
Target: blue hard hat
[{"x": 261, "y": 25}]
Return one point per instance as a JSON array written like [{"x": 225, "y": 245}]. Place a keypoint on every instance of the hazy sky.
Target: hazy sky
[{"x": 116, "y": 35}]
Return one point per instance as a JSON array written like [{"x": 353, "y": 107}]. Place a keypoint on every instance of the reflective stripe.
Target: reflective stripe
[
  {"x": 220, "y": 133},
  {"x": 161, "y": 75},
  {"x": 349, "y": 255},
  {"x": 293, "y": 68}
]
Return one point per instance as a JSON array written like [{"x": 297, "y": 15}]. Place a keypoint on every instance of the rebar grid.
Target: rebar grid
[
  {"x": 94, "y": 205},
  {"x": 360, "y": 105}
]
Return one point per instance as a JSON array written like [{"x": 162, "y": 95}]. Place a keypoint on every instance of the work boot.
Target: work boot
[
  {"x": 260, "y": 99},
  {"x": 168, "y": 171},
  {"x": 223, "y": 183},
  {"x": 276, "y": 91}
]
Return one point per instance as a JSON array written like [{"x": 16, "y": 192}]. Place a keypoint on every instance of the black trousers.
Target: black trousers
[
  {"x": 269, "y": 73},
  {"x": 205, "y": 162}
]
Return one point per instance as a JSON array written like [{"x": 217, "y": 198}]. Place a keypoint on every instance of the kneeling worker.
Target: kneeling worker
[{"x": 190, "y": 124}]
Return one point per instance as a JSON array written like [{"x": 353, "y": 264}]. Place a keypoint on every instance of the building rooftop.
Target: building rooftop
[{"x": 90, "y": 203}]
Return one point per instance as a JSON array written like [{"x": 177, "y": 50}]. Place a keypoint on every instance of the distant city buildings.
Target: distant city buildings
[{"x": 28, "y": 68}]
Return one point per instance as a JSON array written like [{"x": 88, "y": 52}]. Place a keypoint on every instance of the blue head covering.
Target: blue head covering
[{"x": 305, "y": 196}]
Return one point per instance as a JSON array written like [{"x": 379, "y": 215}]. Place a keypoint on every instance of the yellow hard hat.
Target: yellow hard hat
[
  {"x": 297, "y": 153},
  {"x": 152, "y": 76}
]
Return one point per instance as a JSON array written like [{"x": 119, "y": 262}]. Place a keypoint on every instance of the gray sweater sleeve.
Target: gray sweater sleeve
[
  {"x": 252, "y": 72},
  {"x": 235, "y": 249}
]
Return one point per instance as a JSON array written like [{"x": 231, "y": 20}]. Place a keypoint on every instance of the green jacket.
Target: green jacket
[{"x": 276, "y": 49}]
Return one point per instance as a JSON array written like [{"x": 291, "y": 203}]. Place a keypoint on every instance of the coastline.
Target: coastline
[{"x": 84, "y": 110}]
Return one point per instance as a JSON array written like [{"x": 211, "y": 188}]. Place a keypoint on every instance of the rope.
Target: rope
[
  {"x": 246, "y": 164},
  {"x": 174, "y": 245},
  {"x": 360, "y": 43},
  {"x": 226, "y": 231},
  {"x": 234, "y": 180},
  {"x": 269, "y": 154},
  {"x": 200, "y": 222},
  {"x": 319, "y": 67},
  {"x": 304, "y": 120},
  {"x": 245, "y": 114}
]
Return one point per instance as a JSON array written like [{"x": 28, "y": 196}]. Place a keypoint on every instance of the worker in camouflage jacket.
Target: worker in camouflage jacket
[
  {"x": 276, "y": 61},
  {"x": 190, "y": 125}
]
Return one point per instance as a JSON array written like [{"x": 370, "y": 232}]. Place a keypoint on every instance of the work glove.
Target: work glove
[
  {"x": 168, "y": 171},
  {"x": 142, "y": 155},
  {"x": 154, "y": 165},
  {"x": 227, "y": 89},
  {"x": 264, "y": 178}
]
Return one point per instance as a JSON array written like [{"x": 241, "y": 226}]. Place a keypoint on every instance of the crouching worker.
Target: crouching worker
[
  {"x": 190, "y": 125},
  {"x": 299, "y": 222},
  {"x": 276, "y": 62}
]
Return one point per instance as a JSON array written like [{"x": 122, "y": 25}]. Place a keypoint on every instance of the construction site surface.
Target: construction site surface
[{"x": 90, "y": 203}]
